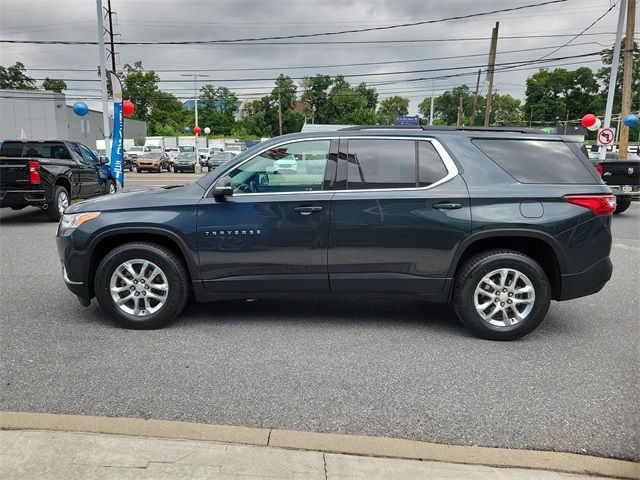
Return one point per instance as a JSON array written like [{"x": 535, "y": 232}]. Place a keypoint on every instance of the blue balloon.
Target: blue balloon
[
  {"x": 186, "y": 129},
  {"x": 80, "y": 109},
  {"x": 631, "y": 120}
]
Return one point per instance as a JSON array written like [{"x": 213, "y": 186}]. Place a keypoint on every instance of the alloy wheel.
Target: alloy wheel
[
  {"x": 139, "y": 287},
  {"x": 504, "y": 297}
]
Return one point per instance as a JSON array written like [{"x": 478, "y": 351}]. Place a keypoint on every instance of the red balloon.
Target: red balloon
[
  {"x": 589, "y": 120},
  {"x": 127, "y": 108},
  {"x": 197, "y": 130}
]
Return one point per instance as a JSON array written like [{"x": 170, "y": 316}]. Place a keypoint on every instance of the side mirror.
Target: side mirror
[
  {"x": 104, "y": 160},
  {"x": 223, "y": 187}
]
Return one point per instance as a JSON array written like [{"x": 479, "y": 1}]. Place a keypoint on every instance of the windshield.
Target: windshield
[
  {"x": 136, "y": 149},
  {"x": 150, "y": 155},
  {"x": 185, "y": 156}
]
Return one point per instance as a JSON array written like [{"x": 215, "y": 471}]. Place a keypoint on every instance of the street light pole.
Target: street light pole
[
  {"x": 103, "y": 80},
  {"x": 198, "y": 167}
]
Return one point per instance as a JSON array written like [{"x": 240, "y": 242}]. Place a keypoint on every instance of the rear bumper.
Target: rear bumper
[
  {"x": 22, "y": 198},
  {"x": 587, "y": 282},
  {"x": 619, "y": 191}
]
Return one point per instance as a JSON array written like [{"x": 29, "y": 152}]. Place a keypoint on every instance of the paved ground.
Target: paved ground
[
  {"x": 69, "y": 456},
  {"x": 389, "y": 368}
]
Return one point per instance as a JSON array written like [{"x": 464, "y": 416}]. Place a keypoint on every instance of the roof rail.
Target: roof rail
[{"x": 444, "y": 128}]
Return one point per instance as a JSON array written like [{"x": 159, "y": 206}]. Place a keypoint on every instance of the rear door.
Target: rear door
[
  {"x": 271, "y": 234},
  {"x": 398, "y": 213}
]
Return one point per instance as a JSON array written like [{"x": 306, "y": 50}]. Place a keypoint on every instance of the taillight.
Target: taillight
[
  {"x": 600, "y": 169},
  {"x": 598, "y": 204},
  {"x": 34, "y": 171}
]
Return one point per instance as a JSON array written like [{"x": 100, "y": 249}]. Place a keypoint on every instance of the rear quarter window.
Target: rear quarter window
[{"x": 536, "y": 161}]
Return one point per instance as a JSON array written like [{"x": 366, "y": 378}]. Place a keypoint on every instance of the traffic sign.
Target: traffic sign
[{"x": 606, "y": 136}]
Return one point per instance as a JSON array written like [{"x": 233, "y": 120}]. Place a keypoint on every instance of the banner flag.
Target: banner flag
[{"x": 117, "y": 139}]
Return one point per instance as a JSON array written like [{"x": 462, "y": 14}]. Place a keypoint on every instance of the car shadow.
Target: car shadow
[
  {"x": 27, "y": 215},
  {"x": 324, "y": 310}
]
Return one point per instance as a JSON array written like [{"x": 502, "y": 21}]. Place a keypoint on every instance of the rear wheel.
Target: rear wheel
[
  {"x": 110, "y": 187},
  {"x": 622, "y": 205},
  {"x": 142, "y": 285},
  {"x": 501, "y": 294},
  {"x": 60, "y": 201}
]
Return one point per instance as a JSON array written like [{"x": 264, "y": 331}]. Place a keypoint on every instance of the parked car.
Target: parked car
[
  {"x": 204, "y": 154},
  {"x": 153, "y": 162},
  {"x": 622, "y": 176},
  {"x": 185, "y": 162},
  {"x": 135, "y": 152},
  {"x": 49, "y": 174},
  {"x": 218, "y": 159},
  {"x": 235, "y": 148},
  {"x": 484, "y": 219}
]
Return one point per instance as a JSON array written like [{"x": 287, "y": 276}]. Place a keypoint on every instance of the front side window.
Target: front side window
[
  {"x": 89, "y": 155},
  {"x": 292, "y": 167},
  {"x": 384, "y": 164}
]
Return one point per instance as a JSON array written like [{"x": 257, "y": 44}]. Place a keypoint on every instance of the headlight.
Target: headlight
[{"x": 74, "y": 220}]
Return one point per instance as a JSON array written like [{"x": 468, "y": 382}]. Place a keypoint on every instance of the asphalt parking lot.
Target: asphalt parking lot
[{"x": 390, "y": 368}]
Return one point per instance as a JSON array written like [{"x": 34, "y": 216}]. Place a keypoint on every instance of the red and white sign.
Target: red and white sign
[{"x": 606, "y": 136}]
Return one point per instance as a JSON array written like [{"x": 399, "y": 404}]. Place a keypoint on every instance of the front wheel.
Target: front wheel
[
  {"x": 622, "y": 205},
  {"x": 501, "y": 294},
  {"x": 142, "y": 285},
  {"x": 110, "y": 187}
]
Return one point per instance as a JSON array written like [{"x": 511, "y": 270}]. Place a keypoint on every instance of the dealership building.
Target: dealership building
[{"x": 40, "y": 115}]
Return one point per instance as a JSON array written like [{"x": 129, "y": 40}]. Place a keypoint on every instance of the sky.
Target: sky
[{"x": 413, "y": 49}]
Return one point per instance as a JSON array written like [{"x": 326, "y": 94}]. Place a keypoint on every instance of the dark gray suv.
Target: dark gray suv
[{"x": 498, "y": 223}]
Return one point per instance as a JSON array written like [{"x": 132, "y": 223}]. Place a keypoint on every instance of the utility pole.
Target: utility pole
[
  {"x": 198, "y": 167},
  {"x": 474, "y": 110},
  {"x": 279, "y": 107},
  {"x": 615, "y": 61},
  {"x": 431, "y": 104},
  {"x": 112, "y": 51},
  {"x": 626, "y": 80},
  {"x": 103, "y": 80},
  {"x": 490, "y": 70},
  {"x": 459, "y": 113}
]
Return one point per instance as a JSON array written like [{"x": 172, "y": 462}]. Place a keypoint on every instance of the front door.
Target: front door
[
  {"x": 88, "y": 165},
  {"x": 271, "y": 234},
  {"x": 398, "y": 213}
]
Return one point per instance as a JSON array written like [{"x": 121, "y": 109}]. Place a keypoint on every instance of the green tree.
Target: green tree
[
  {"x": 348, "y": 105},
  {"x": 54, "y": 85},
  {"x": 218, "y": 98},
  {"x": 505, "y": 110},
  {"x": 141, "y": 87},
  {"x": 559, "y": 95},
  {"x": 392, "y": 107},
  {"x": 315, "y": 96},
  {"x": 14, "y": 77}
]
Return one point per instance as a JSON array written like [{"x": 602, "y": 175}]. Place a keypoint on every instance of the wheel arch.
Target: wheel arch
[
  {"x": 540, "y": 246},
  {"x": 106, "y": 242},
  {"x": 64, "y": 182}
]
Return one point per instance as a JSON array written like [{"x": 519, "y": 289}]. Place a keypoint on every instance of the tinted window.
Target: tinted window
[
  {"x": 393, "y": 164},
  {"x": 89, "y": 155},
  {"x": 381, "y": 164},
  {"x": 431, "y": 169},
  {"x": 536, "y": 161},
  {"x": 35, "y": 150},
  {"x": 293, "y": 167}
]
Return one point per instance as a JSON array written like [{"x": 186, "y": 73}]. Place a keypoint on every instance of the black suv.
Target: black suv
[{"x": 496, "y": 222}]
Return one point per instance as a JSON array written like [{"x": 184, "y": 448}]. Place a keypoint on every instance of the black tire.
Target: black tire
[
  {"x": 172, "y": 267},
  {"x": 110, "y": 187},
  {"x": 472, "y": 273},
  {"x": 53, "y": 210},
  {"x": 622, "y": 205}
]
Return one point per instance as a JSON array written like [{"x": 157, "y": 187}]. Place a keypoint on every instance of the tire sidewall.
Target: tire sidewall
[
  {"x": 465, "y": 296},
  {"x": 52, "y": 210},
  {"x": 178, "y": 286}
]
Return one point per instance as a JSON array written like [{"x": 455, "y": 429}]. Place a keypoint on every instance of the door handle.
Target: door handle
[
  {"x": 447, "y": 206},
  {"x": 308, "y": 210}
]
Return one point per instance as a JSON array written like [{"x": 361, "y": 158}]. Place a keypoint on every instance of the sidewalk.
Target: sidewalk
[
  {"x": 68, "y": 447},
  {"x": 71, "y": 455}
]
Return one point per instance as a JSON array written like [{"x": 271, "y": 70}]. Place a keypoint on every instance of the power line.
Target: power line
[
  {"x": 374, "y": 74},
  {"x": 300, "y": 67},
  {"x": 582, "y": 32},
  {"x": 343, "y": 32}
]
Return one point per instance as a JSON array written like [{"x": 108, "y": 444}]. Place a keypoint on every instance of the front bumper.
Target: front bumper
[
  {"x": 74, "y": 269},
  {"x": 626, "y": 191},
  {"x": 587, "y": 282}
]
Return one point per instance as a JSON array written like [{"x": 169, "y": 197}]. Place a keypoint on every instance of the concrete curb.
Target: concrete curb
[{"x": 344, "y": 444}]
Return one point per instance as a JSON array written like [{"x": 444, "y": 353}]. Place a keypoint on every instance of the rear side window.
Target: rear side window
[
  {"x": 381, "y": 164},
  {"x": 536, "y": 161}
]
